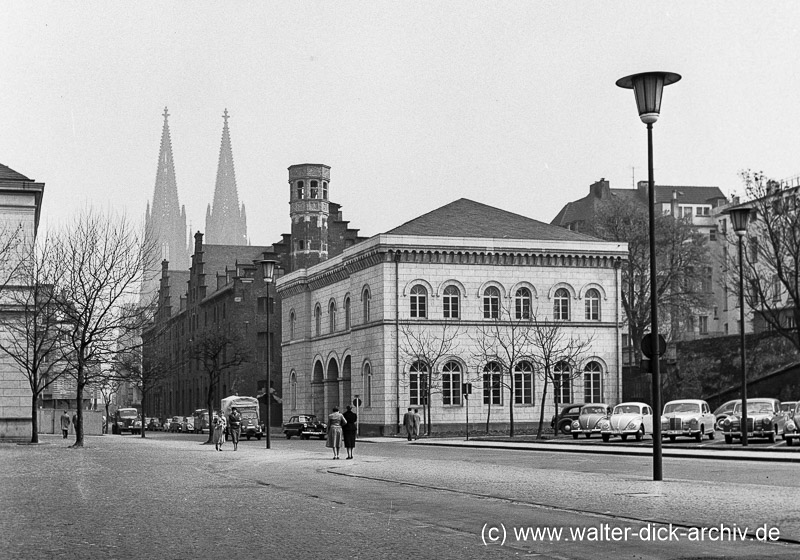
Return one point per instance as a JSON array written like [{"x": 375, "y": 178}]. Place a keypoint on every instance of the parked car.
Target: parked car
[
  {"x": 588, "y": 421},
  {"x": 722, "y": 412},
  {"x": 764, "y": 420},
  {"x": 628, "y": 419},
  {"x": 304, "y": 426},
  {"x": 176, "y": 424},
  {"x": 689, "y": 418},
  {"x": 791, "y": 431},
  {"x": 152, "y": 424},
  {"x": 562, "y": 422},
  {"x": 788, "y": 408},
  {"x": 187, "y": 424},
  {"x": 200, "y": 420}
]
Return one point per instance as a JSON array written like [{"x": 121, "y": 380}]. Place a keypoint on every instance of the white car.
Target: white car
[
  {"x": 628, "y": 419},
  {"x": 688, "y": 417}
]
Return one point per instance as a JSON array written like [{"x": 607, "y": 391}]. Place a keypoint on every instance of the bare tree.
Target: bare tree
[
  {"x": 103, "y": 259},
  {"x": 772, "y": 278},
  {"x": 32, "y": 321},
  {"x": 217, "y": 351},
  {"x": 555, "y": 351},
  {"x": 506, "y": 341},
  {"x": 423, "y": 346},
  {"x": 682, "y": 257}
]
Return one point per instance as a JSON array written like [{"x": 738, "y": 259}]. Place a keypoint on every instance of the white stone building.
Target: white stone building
[
  {"x": 20, "y": 208},
  {"x": 460, "y": 265}
]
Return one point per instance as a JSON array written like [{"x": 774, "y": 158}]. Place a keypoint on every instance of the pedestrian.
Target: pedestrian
[
  {"x": 65, "y": 424},
  {"x": 349, "y": 430},
  {"x": 335, "y": 423},
  {"x": 219, "y": 431},
  {"x": 235, "y": 426},
  {"x": 417, "y": 421},
  {"x": 408, "y": 421}
]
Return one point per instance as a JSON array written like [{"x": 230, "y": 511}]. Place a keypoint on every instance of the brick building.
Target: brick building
[{"x": 344, "y": 317}]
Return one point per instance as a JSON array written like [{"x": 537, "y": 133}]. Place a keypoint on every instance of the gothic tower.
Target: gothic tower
[
  {"x": 226, "y": 223},
  {"x": 165, "y": 220},
  {"x": 309, "y": 210}
]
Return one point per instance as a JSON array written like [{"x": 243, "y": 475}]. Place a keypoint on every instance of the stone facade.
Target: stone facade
[
  {"x": 345, "y": 319},
  {"x": 20, "y": 207}
]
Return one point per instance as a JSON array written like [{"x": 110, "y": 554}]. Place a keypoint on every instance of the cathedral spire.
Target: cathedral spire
[
  {"x": 225, "y": 219},
  {"x": 165, "y": 219}
]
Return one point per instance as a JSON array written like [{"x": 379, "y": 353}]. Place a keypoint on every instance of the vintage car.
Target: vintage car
[
  {"x": 628, "y": 419},
  {"x": 152, "y": 424},
  {"x": 304, "y": 426},
  {"x": 689, "y": 417},
  {"x": 764, "y": 420},
  {"x": 723, "y": 411},
  {"x": 588, "y": 422},
  {"x": 563, "y": 422},
  {"x": 788, "y": 408},
  {"x": 176, "y": 424},
  {"x": 792, "y": 430},
  {"x": 187, "y": 425}
]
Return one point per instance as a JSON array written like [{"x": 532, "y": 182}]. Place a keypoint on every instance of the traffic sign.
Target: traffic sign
[{"x": 647, "y": 345}]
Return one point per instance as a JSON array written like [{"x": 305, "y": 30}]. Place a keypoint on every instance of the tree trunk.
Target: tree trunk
[
  {"x": 511, "y": 404},
  {"x": 210, "y": 404},
  {"x": 428, "y": 403},
  {"x": 541, "y": 412},
  {"x": 35, "y": 419}
]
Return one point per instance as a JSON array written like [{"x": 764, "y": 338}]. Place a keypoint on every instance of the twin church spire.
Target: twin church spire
[{"x": 165, "y": 220}]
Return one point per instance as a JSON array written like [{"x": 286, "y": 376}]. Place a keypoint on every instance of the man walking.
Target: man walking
[
  {"x": 235, "y": 426},
  {"x": 65, "y": 424},
  {"x": 408, "y": 423},
  {"x": 417, "y": 420}
]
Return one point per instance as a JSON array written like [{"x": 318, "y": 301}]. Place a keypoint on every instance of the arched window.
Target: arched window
[
  {"x": 451, "y": 384},
  {"x": 367, "y": 385},
  {"x": 332, "y": 316},
  {"x": 365, "y": 298},
  {"x": 417, "y": 384},
  {"x": 450, "y": 302},
  {"x": 293, "y": 390},
  {"x": 292, "y": 322},
  {"x": 561, "y": 305},
  {"x": 419, "y": 302},
  {"x": 523, "y": 383},
  {"x": 492, "y": 393},
  {"x": 491, "y": 303},
  {"x": 300, "y": 186},
  {"x": 317, "y": 320},
  {"x": 592, "y": 387},
  {"x": 592, "y": 300},
  {"x": 562, "y": 382},
  {"x": 522, "y": 304},
  {"x": 314, "y": 189},
  {"x": 324, "y": 190},
  {"x": 347, "y": 313}
]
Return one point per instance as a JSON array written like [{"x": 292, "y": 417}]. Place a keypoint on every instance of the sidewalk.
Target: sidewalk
[{"x": 785, "y": 455}]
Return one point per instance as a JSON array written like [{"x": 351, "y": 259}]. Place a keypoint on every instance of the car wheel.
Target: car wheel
[
  {"x": 789, "y": 441},
  {"x": 565, "y": 427},
  {"x": 700, "y": 434},
  {"x": 575, "y": 435},
  {"x": 640, "y": 433},
  {"x": 606, "y": 438},
  {"x": 772, "y": 437},
  {"x": 288, "y": 435},
  {"x": 728, "y": 439},
  {"x": 258, "y": 437},
  {"x": 322, "y": 436},
  {"x": 248, "y": 436},
  {"x": 711, "y": 435},
  {"x": 304, "y": 437}
]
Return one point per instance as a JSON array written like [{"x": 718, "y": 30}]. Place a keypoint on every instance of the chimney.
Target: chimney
[{"x": 600, "y": 189}]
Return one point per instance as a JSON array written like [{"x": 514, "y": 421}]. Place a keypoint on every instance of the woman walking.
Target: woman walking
[
  {"x": 219, "y": 431},
  {"x": 335, "y": 423},
  {"x": 349, "y": 431}
]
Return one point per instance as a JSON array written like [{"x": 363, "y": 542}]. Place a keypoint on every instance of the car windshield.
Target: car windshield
[
  {"x": 681, "y": 407},
  {"x": 754, "y": 408},
  {"x": 628, "y": 409},
  {"x": 127, "y": 413},
  {"x": 593, "y": 410}
]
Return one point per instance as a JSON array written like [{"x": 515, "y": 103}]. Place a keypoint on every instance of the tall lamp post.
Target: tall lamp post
[
  {"x": 647, "y": 88},
  {"x": 267, "y": 271},
  {"x": 739, "y": 217}
]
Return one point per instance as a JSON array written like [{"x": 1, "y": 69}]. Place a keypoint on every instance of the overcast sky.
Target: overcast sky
[{"x": 412, "y": 104}]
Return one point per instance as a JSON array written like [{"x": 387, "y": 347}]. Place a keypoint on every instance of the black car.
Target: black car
[
  {"x": 305, "y": 426},
  {"x": 568, "y": 414}
]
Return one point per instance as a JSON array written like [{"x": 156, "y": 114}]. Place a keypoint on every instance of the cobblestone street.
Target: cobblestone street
[{"x": 169, "y": 496}]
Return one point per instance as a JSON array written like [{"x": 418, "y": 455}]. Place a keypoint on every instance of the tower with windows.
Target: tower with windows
[{"x": 309, "y": 211}]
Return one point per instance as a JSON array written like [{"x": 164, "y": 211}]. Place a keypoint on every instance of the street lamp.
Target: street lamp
[
  {"x": 739, "y": 218},
  {"x": 647, "y": 88},
  {"x": 267, "y": 271}
]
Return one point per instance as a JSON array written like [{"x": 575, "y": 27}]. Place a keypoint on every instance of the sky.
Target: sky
[{"x": 412, "y": 104}]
